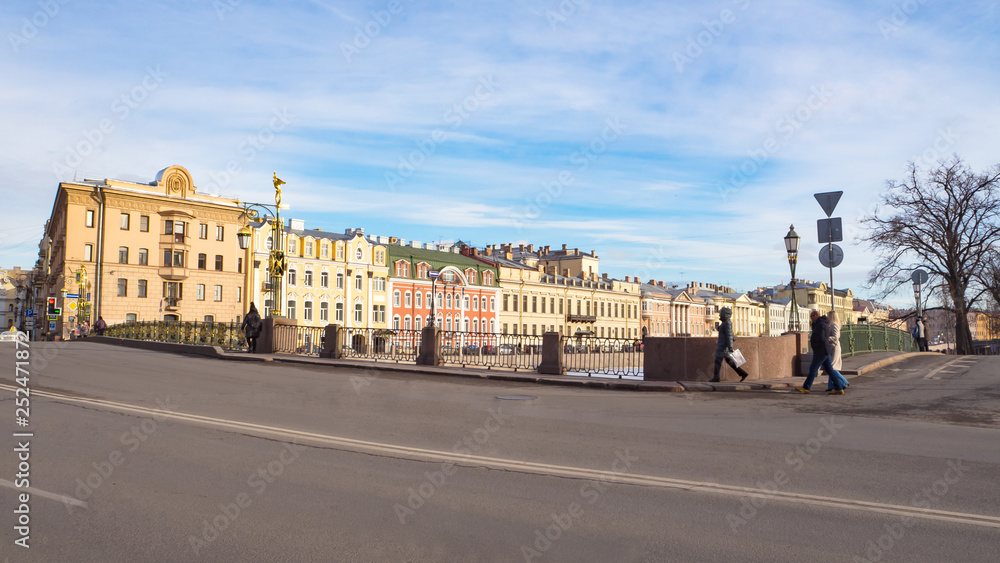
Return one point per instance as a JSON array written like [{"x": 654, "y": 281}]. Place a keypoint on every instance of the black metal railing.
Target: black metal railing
[
  {"x": 294, "y": 339},
  {"x": 380, "y": 344},
  {"x": 592, "y": 355},
  {"x": 510, "y": 351},
  {"x": 226, "y": 335}
]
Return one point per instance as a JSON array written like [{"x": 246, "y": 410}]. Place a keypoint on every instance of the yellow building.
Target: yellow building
[
  {"x": 134, "y": 251},
  {"x": 561, "y": 291},
  {"x": 330, "y": 278},
  {"x": 816, "y": 296}
]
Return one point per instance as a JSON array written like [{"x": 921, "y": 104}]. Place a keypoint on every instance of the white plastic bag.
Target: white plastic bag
[{"x": 738, "y": 358}]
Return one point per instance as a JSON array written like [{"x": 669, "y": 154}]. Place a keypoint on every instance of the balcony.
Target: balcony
[
  {"x": 174, "y": 239},
  {"x": 174, "y": 273},
  {"x": 171, "y": 303},
  {"x": 581, "y": 318}
]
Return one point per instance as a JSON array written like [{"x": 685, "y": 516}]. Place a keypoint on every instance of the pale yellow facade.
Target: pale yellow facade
[
  {"x": 535, "y": 299},
  {"x": 816, "y": 296},
  {"x": 145, "y": 252},
  {"x": 330, "y": 278}
]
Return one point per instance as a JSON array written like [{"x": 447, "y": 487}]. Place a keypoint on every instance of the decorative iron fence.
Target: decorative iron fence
[
  {"x": 380, "y": 344},
  {"x": 511, "y": 351},
  {"x": 864, "y": 338},
  {"x": 226, "y": 335},
  {"x": 294, "y": 339},
  {"x": 598, "y": 355}
]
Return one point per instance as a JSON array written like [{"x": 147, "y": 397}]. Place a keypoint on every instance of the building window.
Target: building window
[
  {"x": 406, "y": 323},
  {"x": 209, "y": 318},
  {"x": 269, "y": 242},
  {"x": 173, "y": 290},
  {"x": 218, "y": 293},
  {"x": 131, "y": 317},
  {"x": 308, "y": 278},
  {"x": 379, "y": 257},
  {"x": 291, "y": 245},
  {"x": 340, "y": 251},
  {"x": 124, "y": 221},
  {"x": 178, "y": 258},
  {"x": 90, "y": 218},
  {"x": 88, "y": 253},
  {"x": 143, "y": 286},
  {"x": 395, "y": 298},
  {"x": 218, "y": 262},
  {"x": 324, "y": 279},
  {"x": 324, "y": 250},
  {"x": 505, "y": 300},
  {"x": 200, "y": 292},
  {"x": 291, "y": 277},
  {"x": 359, "y": 254},
  {"x": 143, "y": 257},
  {"x": 309, "y": 247},
  {"x": 122, "y": 287},
  {"x": 239, "y": 296},
  {"x": 419, "y": 300},
  {"x": 340, "y": 280},
  {"x": 475, "y": 304},
  {"x": 239, "y": 265},
  {"x": 378, "y": 313},
  {"x": 168, "y": 227},
  {"x": 202, "y": 261},
  {"x": 534, "y": 304},
  {"x": 493, "y": 303},
  {"x": 359, "y": 282},
  {"x": 379, "y": 284},
  {"x": 220, "y": 233},
  {"x": 447, "y": 299},
  {"x": 339, "y": 312},
  {"x": 407, "y": 299},
  {"x": 203, "y": 231},
  {"x": 324, "y": 312},
  {"x": 291, "y": 309},
  {"x": 144, "y": 223},
  {"x": 359, "y": 313},
  {"x": 307, "y": 311}
]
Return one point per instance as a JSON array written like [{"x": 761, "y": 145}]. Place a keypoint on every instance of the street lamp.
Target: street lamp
[
  {"x": 276, "y": 262},
  {"x": 916, "y": 295},
  {"x": 792, "y": 247}
]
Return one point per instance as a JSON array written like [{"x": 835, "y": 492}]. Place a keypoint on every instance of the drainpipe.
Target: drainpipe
[{"x": 98, "y": 286}]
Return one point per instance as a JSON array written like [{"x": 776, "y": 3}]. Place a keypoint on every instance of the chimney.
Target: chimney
[
  {"x": 521, "y": 247},
  {"x": 566, "y": 272},
  {"x": 531, "y": 248},
  {"x": 593, "y": 253},
  {"x": 661, "y": 284},
  {"x": 604, "y": 276},
  {"x": 564, "y": 248},
  {"x": 628, "y": 278},
  {"x": 465, "y": 251},
  {"x": 637, "y": 280},
  {"x": 508, "y": 255},
  {"x": 475, "y": 252}
]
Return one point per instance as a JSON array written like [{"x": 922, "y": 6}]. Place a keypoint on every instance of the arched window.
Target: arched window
[
  {"x": 395, "y": 298},
  {"x": 448, "y": 300},
  {"x": 407, "y": 299},
  {"x": 395, "y": 322},
  {"x": 406, "y": 322},
  {"x": 475, "y": 325}
]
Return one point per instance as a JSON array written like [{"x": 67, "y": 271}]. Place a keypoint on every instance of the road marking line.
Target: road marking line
[
  {"x": 43, "y": 494},
  {"x": 939, "y": 368},
  {"x": 422, "y": 454}
]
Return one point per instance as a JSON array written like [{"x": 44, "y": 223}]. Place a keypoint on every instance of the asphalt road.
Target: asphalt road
[{"x": 142, "y": 456}]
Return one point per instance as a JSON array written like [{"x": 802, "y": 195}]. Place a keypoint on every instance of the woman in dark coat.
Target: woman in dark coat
[
  {"x": 251, "y": 327},
  {"x": 724, "y": 349}
]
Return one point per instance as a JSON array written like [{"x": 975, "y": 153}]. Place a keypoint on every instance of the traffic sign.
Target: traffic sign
[
  {"x": 29, "y": 313},
  {"x": 830, "y": 230},
  {"x": 29, "y": 323},
  {"x": 831, "y": 256},
  {"x": 72, "y": 305},
  {"x": 72, "y": 296},
  {"x": 828, "y": 201},
  {"x": 919, "y": 277},
  {"x": 52, "y": 325}
]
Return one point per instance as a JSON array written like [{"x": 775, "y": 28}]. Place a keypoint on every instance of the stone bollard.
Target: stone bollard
[
  {"x": 553, "y": 355},
  {"x": 331, "y": 343},
  {"x": 430, "y": 347}
]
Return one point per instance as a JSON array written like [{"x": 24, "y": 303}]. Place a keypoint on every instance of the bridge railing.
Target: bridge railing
[
  {"x": 865, "y": 338},
  {"x": 225, "y": 335}
]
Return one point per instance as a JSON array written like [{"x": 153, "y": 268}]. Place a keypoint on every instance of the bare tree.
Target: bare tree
[{"x": 946, "y": 222}]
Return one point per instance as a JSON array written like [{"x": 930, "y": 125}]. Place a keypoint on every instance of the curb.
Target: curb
[{"x": 879, "y": 364}]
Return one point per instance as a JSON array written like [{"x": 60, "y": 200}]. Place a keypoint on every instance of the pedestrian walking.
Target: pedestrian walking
[
  {"x": 100, "y": 325},
  {"x": 922, "y": 334},
  {"x": 251, "y": 327},
  {"x": 835, "y": 357},
  {"x": 724, "y": 348},
  {"x": 819, "y": 340}
]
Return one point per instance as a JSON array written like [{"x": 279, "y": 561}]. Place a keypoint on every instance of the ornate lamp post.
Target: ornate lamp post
[
  {"x": 276, "y": 261},
  {"x": 792, "y": 246}
]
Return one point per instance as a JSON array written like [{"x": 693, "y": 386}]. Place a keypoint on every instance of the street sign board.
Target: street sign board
[
  {"x": 830, "y": 230},
  {"x": 828, "y": 201},
  {"x": 434, "y": 273},
  {"x": 29, "y": 323},
  {"x": 72, "y": 296},
  {"x": 831, "y": 259},
  {"x": 919, "y": 277},
  {"x": 29, "y": 313},
  {"x": 72, "y": 305},
  {"x": 52, "y": 325}
]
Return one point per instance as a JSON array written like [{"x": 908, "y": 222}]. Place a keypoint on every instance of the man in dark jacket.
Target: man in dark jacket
[
  {"x": 822, "y": 349},
  {"x": 724, "y": 349},
  {"x": 251, "y": 327}
]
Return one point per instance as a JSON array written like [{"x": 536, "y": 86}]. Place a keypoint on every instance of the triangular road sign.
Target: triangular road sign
[{"x": 828, "y": 201}]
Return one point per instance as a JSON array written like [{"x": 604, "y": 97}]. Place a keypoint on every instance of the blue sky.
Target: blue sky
[{"x": 679, "y": 140}]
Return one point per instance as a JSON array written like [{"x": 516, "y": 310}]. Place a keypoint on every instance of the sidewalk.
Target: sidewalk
[{"x": 853, "y": 366}]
